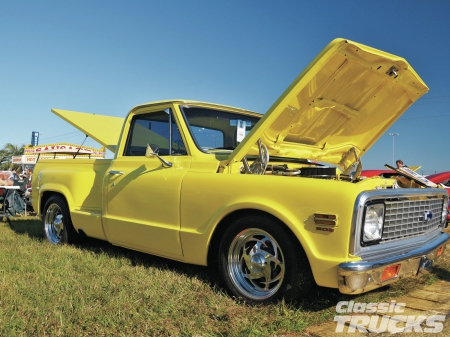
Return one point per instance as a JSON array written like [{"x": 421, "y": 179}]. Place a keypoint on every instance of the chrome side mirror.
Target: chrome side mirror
[
  {"x": 153, "y": 152},
  {"x": 259, "y": 165}
]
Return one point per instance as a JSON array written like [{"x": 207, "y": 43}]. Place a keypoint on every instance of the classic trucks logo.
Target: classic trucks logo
[{"x": 383, "y": 317}]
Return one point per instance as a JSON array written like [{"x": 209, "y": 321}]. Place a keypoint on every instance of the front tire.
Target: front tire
[
  {"x": 56, "y": 223},
  {"x": 257, "y": 259}
]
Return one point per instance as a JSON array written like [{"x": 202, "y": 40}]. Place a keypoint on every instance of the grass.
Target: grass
[{"x": 96, "y": 289}]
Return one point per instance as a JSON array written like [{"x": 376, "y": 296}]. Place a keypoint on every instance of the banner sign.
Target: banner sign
[
  {"x": 407, "y": 172},
  {"x": 64, "y": 149},
  {"x": 24, "y": 160},
  {"x": 34, "y": 138}
]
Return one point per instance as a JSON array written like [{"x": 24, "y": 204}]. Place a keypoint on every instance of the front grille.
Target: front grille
[{"x": 408, "y": 218}]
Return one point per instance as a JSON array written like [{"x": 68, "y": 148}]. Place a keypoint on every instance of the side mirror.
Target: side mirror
[
  {"x": 152, "y": 149},
  {"x": 151, "y": 152}
]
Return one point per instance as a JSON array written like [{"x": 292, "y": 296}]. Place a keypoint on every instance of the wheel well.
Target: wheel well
[
  {"x": 46, "y": 196},
  {"x": 221, "y": 227}
]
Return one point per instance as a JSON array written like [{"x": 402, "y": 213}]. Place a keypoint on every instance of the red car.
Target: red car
[
  {"x": 441, "y": 178},
  {"x": 381, "y": 173},
  {"x": 384, "y": 173}
]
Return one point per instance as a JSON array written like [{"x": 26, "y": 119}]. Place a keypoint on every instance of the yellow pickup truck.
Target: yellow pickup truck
[{"x": 262, "y": 199}]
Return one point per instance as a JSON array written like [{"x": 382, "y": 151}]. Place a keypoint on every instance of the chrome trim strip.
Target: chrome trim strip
[{"x": 369, "y": 265}]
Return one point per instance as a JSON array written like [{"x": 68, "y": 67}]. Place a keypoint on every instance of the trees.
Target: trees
[{"x": 7, "y": 153}]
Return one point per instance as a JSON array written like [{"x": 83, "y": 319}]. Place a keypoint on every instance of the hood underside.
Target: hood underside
[
  {"x": 333, "y": 112},
  {"x": 346, "y": 98}
]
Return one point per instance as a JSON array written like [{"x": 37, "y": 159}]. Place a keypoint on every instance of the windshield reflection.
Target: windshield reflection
[{"x": 214, "y": 129}]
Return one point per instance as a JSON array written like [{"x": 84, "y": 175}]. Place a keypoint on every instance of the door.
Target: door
[{"x": 142, "y": 195}]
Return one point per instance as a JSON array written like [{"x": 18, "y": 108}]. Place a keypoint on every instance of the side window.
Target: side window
[{"x": 158, "y": 129}]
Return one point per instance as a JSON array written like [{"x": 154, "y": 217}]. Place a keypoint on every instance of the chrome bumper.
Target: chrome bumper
[{"x": 361, "y": 276}]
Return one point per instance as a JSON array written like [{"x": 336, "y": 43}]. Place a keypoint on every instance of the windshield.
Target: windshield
[{"x": 214, "y": 129}]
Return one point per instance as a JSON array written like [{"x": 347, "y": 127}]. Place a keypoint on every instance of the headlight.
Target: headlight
[
  {"x": 373, "y": 223},
  {"x": 445, "y": 208}
]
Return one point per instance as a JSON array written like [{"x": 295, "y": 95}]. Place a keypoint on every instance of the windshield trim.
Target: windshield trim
[{"x": 214, "y": 150}]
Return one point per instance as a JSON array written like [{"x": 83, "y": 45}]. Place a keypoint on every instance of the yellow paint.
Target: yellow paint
[
  {"x": 343, "y": 99},
  {"x": 103, "y": 129}
]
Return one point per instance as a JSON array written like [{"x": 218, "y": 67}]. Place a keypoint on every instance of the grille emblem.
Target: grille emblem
[{"x": 427, "y": 215}]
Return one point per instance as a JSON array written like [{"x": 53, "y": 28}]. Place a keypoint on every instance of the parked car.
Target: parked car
[
  {"x": 383, "y": 173},
  {"x": 442, "y": 178}
]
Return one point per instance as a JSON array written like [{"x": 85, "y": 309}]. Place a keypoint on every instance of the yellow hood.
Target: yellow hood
[
  {"x": 347, "y": 97},
  {"x": 104, "y": 129}
]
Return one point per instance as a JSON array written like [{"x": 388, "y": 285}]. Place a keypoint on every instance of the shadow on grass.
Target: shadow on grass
[
  {"x": 442, "y": 273},
  {"x": 311, "y": 297},
  {"x": 308, "y": 295},
  {"x": 30, "y": 226}
]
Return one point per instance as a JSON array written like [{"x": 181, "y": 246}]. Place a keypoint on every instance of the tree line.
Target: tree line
[{"x": 6, "y": 154}]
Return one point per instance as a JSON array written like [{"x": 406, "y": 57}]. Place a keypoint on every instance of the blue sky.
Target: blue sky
[{"x": 107, "y": 56}]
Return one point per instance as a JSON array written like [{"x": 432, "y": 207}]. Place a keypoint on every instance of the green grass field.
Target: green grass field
[{"x": 96, "y": 289}]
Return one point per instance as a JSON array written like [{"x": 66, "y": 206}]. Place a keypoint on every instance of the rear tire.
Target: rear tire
[
  {"x": 56, "y": 223},
  {"x": 258, "y": 260}
]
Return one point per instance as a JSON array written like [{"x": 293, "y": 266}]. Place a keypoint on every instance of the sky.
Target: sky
[{"x": 107, "y": 56}]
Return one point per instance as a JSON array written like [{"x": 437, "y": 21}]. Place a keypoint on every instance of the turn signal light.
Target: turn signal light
[
  {"x": 390, "y": 272},
  {"x": 440, "y": 250}
]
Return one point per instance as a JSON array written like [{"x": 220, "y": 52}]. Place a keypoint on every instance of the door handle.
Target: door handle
[{"x": 112, "y": 172}]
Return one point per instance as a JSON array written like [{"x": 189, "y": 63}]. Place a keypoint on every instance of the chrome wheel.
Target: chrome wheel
[
  {"x": 54, "y": 224},
  {"x": 256, "y": 264}
]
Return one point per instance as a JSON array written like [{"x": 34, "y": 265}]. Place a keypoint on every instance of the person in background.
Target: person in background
[
  {"x": 400, "y": 164},
  {"x": 29, "y": 176},
  {"x": 14, "y": 176},
  {"x": 403, "y": 181}
]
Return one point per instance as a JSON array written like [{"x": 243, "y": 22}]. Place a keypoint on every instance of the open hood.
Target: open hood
[
  {"x": 338, "y": 107},
  {"x": 104, "y": 129}
]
